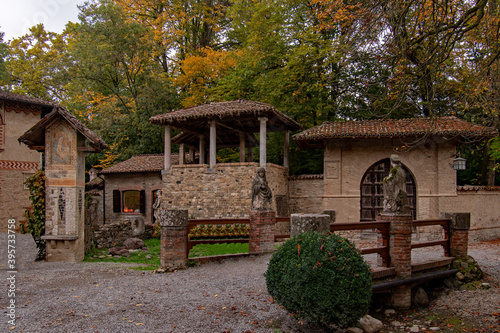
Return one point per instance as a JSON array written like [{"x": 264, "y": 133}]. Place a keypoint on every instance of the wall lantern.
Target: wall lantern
[{"x": 459, "y": 163}]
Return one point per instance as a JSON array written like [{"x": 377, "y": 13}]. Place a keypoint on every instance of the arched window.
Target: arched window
[{"x": 372, "y": 194}]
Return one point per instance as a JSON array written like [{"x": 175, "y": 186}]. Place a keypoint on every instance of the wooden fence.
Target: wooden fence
[{"x": 382, "y": 228}]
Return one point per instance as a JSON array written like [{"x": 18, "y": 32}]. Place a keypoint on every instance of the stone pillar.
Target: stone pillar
[
  {"x": 261, "y": 231},
  {"x": 286, "y": 150},
  {"x": 65, "y": 192},
  {"x": 182, "y": 154},
  {"x": 173, "y": 225},
  {"x": 300, "y": 223},
  {"x": 332, "y": 213},
  {"x": 167, "y": 150},
  {"x": 242, "y": 147},
  {"x": 400, "y": 231},
  {"x": 191, "y": 154},
  {"x": 202, "y": 149},
  {"x": 263, "y": 141},
  {"x": 250, "y": 154},
  {"x": 213, "y": 144},
  {"x": 459, "y": 233}
]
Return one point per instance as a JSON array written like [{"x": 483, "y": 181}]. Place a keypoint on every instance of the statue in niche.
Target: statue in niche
[
  {"x": 261, "y": 193},
  {"x": 395, "y": 196}
]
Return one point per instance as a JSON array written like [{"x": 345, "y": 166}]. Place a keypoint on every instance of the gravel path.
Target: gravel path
[{"x": 213, "y": 297}]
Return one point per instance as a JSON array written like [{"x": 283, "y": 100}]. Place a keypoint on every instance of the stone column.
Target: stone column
[
  {"x": 202, "y": 149},
  {"x": 182, "y": 154},
  {"x": 213, "y": 144},
  {"x": 167, "y": 150},
  {"x": 459, "y": 234},
  {"x": 250, "y": 154},
  {"x": 261, "y": 231},
  {"x": 242, "y": 147},
  {"x": 191, "y": 154},
  {"x": 286, "y": 150},
  {"x": 173, "y": 225},
  {"x": 400, "y": 231},
  {"x": 263, "y": 141},
  {"x": 300, "y": 223}
]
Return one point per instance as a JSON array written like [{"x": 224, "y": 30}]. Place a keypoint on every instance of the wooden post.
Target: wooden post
[
  {"x": 286, "y": 150},
  {"x": 242, "y": 147}
]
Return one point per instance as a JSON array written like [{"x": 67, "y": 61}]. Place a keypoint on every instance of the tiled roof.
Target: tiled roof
[
  {"x": 35, "y": 136},
  {"x": 395, "y": 128},
  {"x": 221, "y": 110},
  {"x": 8, "y": 96},
  {"x": 141, "y": 163}
]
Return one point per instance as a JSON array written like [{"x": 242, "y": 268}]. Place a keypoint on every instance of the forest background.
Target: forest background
[{"x": 315, "y": 60}]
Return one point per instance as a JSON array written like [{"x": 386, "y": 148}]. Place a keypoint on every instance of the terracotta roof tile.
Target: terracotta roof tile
[
  {"x": 141, "y": 163},
  {"x": 220, "y": 110},
  {"x": 8, "y": 96},
  {"x": 395, "y": 128}
]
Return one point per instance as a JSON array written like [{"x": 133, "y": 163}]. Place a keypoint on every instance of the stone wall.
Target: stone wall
[
  {"x": 147, "y": 181},
  {"x": 223, "y": 193},
  {"x": 116, "y": 233},
  {"x": 306, "y": 194}
]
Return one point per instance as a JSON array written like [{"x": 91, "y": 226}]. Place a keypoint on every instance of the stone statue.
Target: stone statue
[
  {"x": 395, "y": 196},
  {"x": 261, "y": 193},
  {"x": 157, "y": 205}
]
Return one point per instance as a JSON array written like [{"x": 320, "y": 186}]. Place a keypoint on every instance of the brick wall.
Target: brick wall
[
  {"x": 224, "y": 193},
  {"x": 306, "y": 194}
]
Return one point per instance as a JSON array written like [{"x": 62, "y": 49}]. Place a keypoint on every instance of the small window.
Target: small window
[{"x": 128, "y": 201}]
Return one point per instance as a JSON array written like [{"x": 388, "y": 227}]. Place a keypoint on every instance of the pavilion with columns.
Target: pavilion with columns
[
  {"x": 212, "y": 190},
  {"x": 224, "y": 125}
]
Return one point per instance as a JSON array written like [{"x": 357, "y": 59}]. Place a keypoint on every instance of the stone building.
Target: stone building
[
  {"x": 130, "y": 188},
  {"x": 18, "y": 113},
  {"x": 356, "y": 159},
  {"x": 217, "y": 190}
]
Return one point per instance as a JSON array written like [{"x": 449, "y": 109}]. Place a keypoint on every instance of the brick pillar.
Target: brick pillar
[
  {"x": 261, "y": 231},
  {"x": 400, "y": 231},
  {"x": 174, "y": 225},
  {"x": 459, "y": 233}
]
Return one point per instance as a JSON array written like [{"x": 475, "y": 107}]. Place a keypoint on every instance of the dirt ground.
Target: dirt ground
[{"x": 216, "y": 297}]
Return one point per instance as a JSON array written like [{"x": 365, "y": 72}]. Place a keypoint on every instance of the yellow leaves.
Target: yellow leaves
[{"x": 202, "y": 71}]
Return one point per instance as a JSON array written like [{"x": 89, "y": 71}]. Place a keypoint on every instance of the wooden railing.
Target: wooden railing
[
  {"x": 445, "y": 242},
  {"x": 381, "y": 226},
  {"x": 383, "y": 229}
]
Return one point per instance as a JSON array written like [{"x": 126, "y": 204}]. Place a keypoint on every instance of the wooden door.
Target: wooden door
[{"x": 372, "y": 194}]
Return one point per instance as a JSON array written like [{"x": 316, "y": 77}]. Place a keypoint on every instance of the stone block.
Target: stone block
[
  {"x": 173, "y": 218},
  {"x": 300, "y": 223},
  {"x": 459, "y": 221}
]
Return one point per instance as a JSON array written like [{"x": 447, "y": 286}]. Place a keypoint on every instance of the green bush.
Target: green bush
[{"x": 320, "y": 277}]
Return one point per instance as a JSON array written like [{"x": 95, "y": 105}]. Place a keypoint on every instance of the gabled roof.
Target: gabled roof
[
  {"x": 390, "y": 128},
  {"x": 141, "y": 163},
  {"x": 35, "y": 137},
  {"x": 8, "y": 96}
]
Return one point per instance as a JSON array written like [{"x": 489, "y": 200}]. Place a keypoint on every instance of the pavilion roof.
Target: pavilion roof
[
  {"x": 390, "y": 128},
  {"x": 232, "y": 118}
]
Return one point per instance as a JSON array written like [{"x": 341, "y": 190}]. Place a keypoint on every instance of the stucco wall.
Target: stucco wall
[
  {"x": 484, "y": 206},
  {"x": 150, "y": 181},
  {"x": 224, "y": 193},
  {"x": 346, "y": 161},
  {"x": 17, "y": 162},
  {"x": 306, "y": 194}
]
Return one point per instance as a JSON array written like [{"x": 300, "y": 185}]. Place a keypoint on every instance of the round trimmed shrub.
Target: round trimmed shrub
[{"x": 320, "y": 277}]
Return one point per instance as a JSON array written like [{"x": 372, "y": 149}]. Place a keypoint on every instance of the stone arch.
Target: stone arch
[{"x": 371, "y": 189}]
